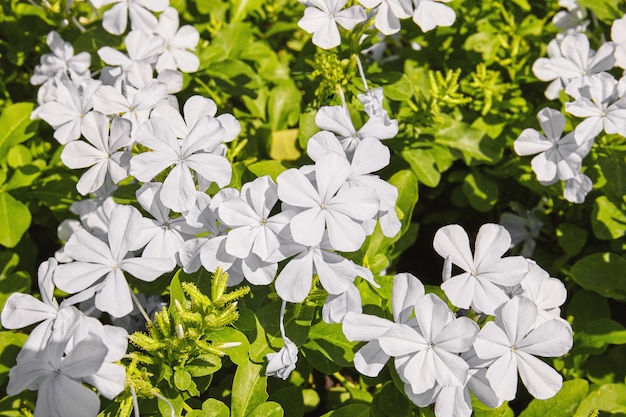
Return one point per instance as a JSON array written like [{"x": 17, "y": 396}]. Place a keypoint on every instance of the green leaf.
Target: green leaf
[
  {"x": 249, "y": 389},
  {"x": 233, "y": 39},
  {"x": 16, "y": 126},
  {"x": 284, "y": 105},
  {"x": 606, "y": 10},
  {"x": 563, "y": 404},
  {"x": 23, "y": 177},
  {"x": 608, "y": 221},
  {"x": 571, "y": 238},
  {"x": 401, "y": 90},
  {"x": 610, "y": 398},
  {"x": 608, "y": 368},
  {"x": 475, "y": 146},
  {"x": 602, "y": 273},
  {"x": 268, "y": 409},
  {"x": 213, "y": 408},
  {"x": 351, "y": 410},
  {"x": 271, "y": 168},
  {"x": 14, "y": 220},
  {"x": 482, "y": 193},
  {"x": 10, "y": 345},
  {"x": 241, "y": 8},
  {"x": 291, "y": 400},
  {"x": 238, "y": 354},
  {"x": 424, "y": 165},
  {"x": 327, "y": 345},
  {"x": 594, "y": 336},
  {"x": 284, "y": 145},
  {"x": 481, "y": 410},
  {"x": 182, "y": 379},
  {"x": 18, "y": 156},
  {"x": 391, "y": 402}
]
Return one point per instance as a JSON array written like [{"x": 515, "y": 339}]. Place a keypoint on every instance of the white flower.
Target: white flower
[
  {"x": 546, "y": 292},
  {"x": 524, "y": 227},
  {"x": 59, "y": 369},
  {"x": 513, "y": 342},
  {"x": 618, "y": 36},
  {"x": 281, "y": 363},
  {"x": 162, "y": 236},
  {"x": 326, "y": 205},
  {"x": 193, "y": 152},
  {"x": 426, "y": 355},
  {"x": 558, "y": 157},
  {"x": 574, "y": 62},
  {"x": 61, "y": 61},
  {"x": 65, "y": 113},
  {"x": 101, "y": 266},
  {"x": 115, "y": 19},
  {"x": 322, "y": 16},
  {"x": 101, "y": 154},
  {"x": 179, "y": 43},
  {"x": 480, "y": 286},
  {"x": 429, "y": 14},
  {"x": 389, "y": 13},
  {"x": 253, "y": 230},
  {"x": 337, "y": 120},
  {"x": 577, "y": 188},
  {"x": 599, "y": 103},
  {"x": 370, "y": 359},
  {"x": 337, "y": 306}
]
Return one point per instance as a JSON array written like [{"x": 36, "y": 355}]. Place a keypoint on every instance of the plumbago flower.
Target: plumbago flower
[
  {"x": 102, "y": 152},
  {"x": 70, "y": 358},
  {"x": 322, "y": 17},
  {"x": 61, "y": 61},
  {"x": 485, "y": 274},
  {"x": 429, "y": 14},
  {"x": 100, "y": 266},
  {"x": 573, "y": 62},
  {"x": 559, "y": 158},
  {"x": 324, "y": 205},
  {"x": 599, "y": 103},
  {"x": 195, "y": 151},
  {"x": 115, "y": 19},
  {"x": 389, "y": 13},
  {"x": 513, "y": 341},
  {"x": 67, "y": 111},
  {"x": 179, "y": 43}
]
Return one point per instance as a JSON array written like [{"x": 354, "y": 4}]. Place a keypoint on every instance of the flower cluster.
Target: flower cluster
[
  {"x": 595, "y": 96},
  {"x": 441, "y": 357},
  {"x": 322, "y": 18}
]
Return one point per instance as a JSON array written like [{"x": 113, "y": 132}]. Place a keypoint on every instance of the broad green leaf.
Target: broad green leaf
[
  {"x": 563, "y": 404},
  {"x": 613, "y": 165},
  {"x": 283, "y": 147},
  {"x": 401, "y": 90},
  {"x": 392, "y": 403},
  {"x": 481, "y": 410},
  {"x": 240, "y": 8},
  {"x": 291, "y": 400},
  {"x": 602, "y": 273},
  {"x": 595, "y": 335},
  {"x": 608, "y": 368},
  {"x": 284, "y": 106},
  {"x": 610, "y": 398},
  {"x": 182, "y": 379},
  {"x": 233, "y": 39},
  {"x": 351, "y": 410},
  {"x": 475, "y": 146},
  {"x": 23, "y": 177},
  {"x": 213, "y": 408},
  {"x": 271, "y": 168},
  {"x": 238, "y": 354},
  {"x": 18, "y": 156},
  {"x": 10, "y": 345},
  {"x": 16, "y": 126},
  {"x": 606, "y": 10},
  {"x": 571, "y": 238},
  {"x": 608, "y": 221},
  {"x": 268, "y": 409},
  {"x": 249, "y": 389},
  {"x": 423, "y": 164},
  {"x": 306, "y": 127},
  {"x": 14, "y": 220},
  {"x": 327, "y": 345},
  {"x": 482, "y": 193}
]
